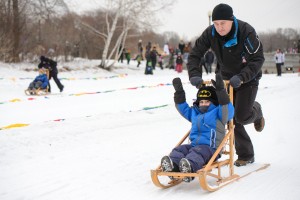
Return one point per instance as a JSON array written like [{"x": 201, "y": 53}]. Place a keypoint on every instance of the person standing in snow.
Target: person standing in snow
[
  {"x": 211, "y": 112},
  {"x": 202, "y": 64},
  {"x": 209, "y": 59},
  {"x": 153, "y": 57},
  {"x": 240, "y": 57},
  {"x": 279, "y": 60},
  {"x": 140, "y": 49},
  {"x": 181, "y": 46}
]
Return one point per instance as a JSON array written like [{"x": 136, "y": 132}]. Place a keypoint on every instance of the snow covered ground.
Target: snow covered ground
[{"x": 100, "y": 138}]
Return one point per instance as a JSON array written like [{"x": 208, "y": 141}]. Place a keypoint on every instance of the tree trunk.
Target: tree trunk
[
  {"x": 16, "y": 31},
  {"x": 110, "y": 34}
]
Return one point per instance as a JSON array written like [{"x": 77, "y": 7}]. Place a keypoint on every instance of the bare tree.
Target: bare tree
[
  {"x": 122, "y": 16},
  {"x": 16, "y": 31},
  {"x": 281, "y": 38}
]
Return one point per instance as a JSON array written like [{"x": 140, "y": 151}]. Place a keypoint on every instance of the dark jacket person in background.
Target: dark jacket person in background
[{"x": 51, "y": 65}]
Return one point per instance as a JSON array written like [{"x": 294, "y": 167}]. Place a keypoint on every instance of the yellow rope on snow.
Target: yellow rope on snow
[
  {"x": 13, "y": 126},
  {"x": 15, "y": 100}
]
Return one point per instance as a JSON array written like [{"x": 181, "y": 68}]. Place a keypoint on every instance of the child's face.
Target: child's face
[{"x": 204, "y": 103}]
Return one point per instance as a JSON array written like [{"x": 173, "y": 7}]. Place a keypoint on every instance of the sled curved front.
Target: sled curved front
[{"x": 158, "y": 183}]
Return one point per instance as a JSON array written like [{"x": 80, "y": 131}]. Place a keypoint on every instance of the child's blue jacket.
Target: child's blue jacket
[
  {"x": 44, "y": 79},
  {"x": 207, "y": 128}
]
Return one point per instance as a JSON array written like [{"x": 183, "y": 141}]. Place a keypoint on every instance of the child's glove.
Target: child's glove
[
  {"x": 179, "y": 95},
  {"x": 196, "y": 81},
  {"x": 177, "y": 84},
  {"x": 222, "y": 95},
  {"x": 219, "y": 83}
]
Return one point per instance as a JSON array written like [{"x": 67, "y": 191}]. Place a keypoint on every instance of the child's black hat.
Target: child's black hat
[{"x": 207, "y": 93}]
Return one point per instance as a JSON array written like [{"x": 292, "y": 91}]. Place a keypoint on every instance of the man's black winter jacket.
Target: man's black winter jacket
[{"x": 244, "y": 59}]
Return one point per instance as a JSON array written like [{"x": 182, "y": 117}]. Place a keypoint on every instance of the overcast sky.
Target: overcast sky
[{"x": 190, "y": 17}]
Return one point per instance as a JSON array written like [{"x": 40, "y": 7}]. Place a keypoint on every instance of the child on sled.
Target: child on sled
[
  {"x": 208, "y": 115},
  {"x": 40, "y": 82}
]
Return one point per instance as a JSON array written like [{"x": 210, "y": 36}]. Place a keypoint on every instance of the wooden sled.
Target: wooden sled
[
  {"x": 38, "y": 92},
  {"x": 215, "y": 174}
]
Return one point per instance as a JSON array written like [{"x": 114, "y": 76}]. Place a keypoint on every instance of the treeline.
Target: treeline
[
  {"x": 287, "y": 39},
  {"x": 30, "y": 28}
]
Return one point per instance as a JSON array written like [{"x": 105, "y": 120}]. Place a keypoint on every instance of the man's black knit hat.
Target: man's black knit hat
[{"x": 222, "y": 12}]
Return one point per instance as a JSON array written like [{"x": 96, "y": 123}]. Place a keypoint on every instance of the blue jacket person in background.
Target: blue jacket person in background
[
  {"x": 51, "y": 65},
  {"x": 208, "y": 115},
  {"x": 40, "y": 82},
  {"x": 239, "y": 55}
]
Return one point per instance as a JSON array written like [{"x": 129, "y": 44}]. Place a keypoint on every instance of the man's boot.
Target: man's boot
[{"x": 259, "y": 123}]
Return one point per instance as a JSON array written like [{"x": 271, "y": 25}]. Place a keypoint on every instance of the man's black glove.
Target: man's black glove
[
  {"x": 179, "y": 95},
  {"x": 222, "y": 95},
  {"x": 196, "y": 81},
  {"x": 235, "y": 81}
]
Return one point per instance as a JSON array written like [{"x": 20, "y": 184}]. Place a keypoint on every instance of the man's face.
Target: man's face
[{"x": 223, "y": 27}]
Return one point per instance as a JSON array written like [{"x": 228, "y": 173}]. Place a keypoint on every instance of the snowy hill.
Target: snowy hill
[{"x": 100, "y": 138}]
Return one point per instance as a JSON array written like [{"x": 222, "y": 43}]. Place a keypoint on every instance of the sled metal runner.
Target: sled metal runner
[
  {"x": 37, "y": 92},
  {"x": 214, "y": 174}
]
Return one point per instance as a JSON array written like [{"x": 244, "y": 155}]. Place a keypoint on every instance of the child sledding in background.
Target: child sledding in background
[
  {"x": 208, "y": 115},
  {"x": 40, "y": 82}
]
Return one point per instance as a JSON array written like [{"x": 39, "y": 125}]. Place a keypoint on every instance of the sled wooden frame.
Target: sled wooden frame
[
  {"x": 38, "y": 92},
  {"x": 226, "y": 148}
]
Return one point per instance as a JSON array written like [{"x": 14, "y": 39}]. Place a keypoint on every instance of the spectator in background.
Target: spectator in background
[
  {"x": 171, "y": 59},
  {"x": 128, "y": 56},
  {"x": 186, "y": 51},
  {"x": 179, "y": 62},
  {"x": 121, "y": 51},
  {"x": 138, "y": 58},
  {"x": 153, "y": 57},
  {"x": 140, "y": 49},
  {"x": 209, "y": 59},
  {"x": 181, "y": 46},
  {"x": 279, "y": 60},
  {"x": 160, "y": 61},
  {"x": 166, "y": 54},
  {"x": 166, "y": 49},
  {"x": 202, "y": 64},
  {"x": 149, "y": 46}
]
